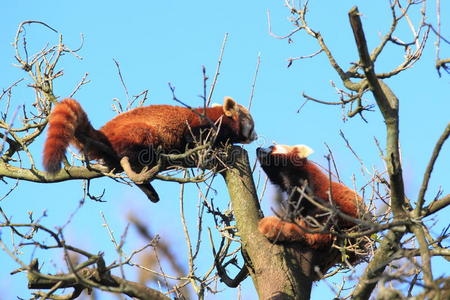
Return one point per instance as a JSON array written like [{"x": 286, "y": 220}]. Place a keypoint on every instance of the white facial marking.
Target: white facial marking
[{"x": 281, "y": 149}]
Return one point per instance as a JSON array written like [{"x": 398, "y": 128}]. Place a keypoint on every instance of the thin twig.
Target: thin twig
[
  {"x": 216, "y": 75},
  {"x": 121, "y": 79},
  {"x": 429, "y": 170},
  {"x": 258, "y": 62}
]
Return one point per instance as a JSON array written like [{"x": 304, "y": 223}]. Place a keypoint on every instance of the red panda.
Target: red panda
[
  {"x": 288, "y": 168},
  {"x": 130, "y": 140}
]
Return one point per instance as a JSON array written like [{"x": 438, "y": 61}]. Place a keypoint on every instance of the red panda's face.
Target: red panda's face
[
  {"x": 240, "y": 121},
  {"x": 246, "y": 126},
  {"x": 284, "y": 165},
  {"x": 284, "y": 155}
]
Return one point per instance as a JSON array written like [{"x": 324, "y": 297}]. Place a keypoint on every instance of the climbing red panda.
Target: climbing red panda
[
  {"x": 130, "y": 140},
  {"x": 288, "y": 168}
]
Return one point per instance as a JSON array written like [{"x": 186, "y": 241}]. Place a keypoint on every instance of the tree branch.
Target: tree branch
[
  {"x": 429, "y": 170},
  {"x": 377, "y": 264},
  {"x": 107, "y": 282},
  {"x": 436, "y": 205},
  {"x": 71, "y": 173},
  {"x": 389, "y": 106}
]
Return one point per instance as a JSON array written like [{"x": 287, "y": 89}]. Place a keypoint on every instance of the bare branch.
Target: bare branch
[
  {"x": 258, "y": 62},
  {"x": 429, "y": 170},
  {"x": 436, "y": 205},
  {"x": 424, "y": 254},
  {"x": 277, "y": 36},
  {"x": 121, "y": 79},
  {"x": 80, "y": 84},
  {"x": 104, "y": 281},
  {"x": 216, "y": 75},
  {"x": 388, "y": 104},
  {"x": 221, "y": 271},
  {"x": 444, "y": 64},
  {"x": 71, "y": 173},
  {"x": 292, "y": 59}
]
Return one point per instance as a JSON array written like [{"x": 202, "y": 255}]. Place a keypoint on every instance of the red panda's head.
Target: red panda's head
[
  {"x": 238, "y": 120},
  {"x": 284, "y": 165}
]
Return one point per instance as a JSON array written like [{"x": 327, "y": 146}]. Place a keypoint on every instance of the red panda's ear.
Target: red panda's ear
[
  {"x": 303, "y": 151},
  {"x": 230, "y": 106},
  {"x": 281, "y": 149}
]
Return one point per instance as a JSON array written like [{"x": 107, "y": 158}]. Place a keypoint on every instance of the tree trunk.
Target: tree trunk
[{"x": 277, "y": 272}]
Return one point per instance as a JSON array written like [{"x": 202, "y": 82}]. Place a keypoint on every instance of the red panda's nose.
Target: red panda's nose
[{"x": 263, "y": 152}]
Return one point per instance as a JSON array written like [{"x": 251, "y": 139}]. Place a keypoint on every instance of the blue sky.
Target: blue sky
[{"x": 157, "y": 42}]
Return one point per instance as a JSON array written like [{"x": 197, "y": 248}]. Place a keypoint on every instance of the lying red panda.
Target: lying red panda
[
  {"x": 288, "y": 168},
  {"x": 122, "y": 142}
]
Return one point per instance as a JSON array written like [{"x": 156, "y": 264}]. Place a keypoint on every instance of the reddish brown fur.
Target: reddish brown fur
[
  {"x": 161, "y": 125},
  {"x": 63, "y": 122},
  {"x": 343, "y": 197},
  {"x": 291, "y": 175},
  {"x": 152, "y": 126}
]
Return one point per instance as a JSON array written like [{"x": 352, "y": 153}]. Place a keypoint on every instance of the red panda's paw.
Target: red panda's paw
[{"x": 277, "y": 230}]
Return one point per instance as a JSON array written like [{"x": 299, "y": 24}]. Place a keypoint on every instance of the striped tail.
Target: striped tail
[{"x": 65, "y": 120}]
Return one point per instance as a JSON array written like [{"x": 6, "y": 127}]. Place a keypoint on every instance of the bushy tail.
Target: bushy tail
[{"x": 65, "y": 120}]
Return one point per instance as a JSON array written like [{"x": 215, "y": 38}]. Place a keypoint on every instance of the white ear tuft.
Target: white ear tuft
[
  {"x": 281, "y": 149},
  {"x": 230, "y": 107},
  {"x": 303, "y": 151}
]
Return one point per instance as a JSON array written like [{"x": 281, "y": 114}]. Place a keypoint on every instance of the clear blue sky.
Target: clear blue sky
[{"x": 157, "y": 42}]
